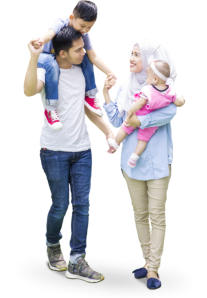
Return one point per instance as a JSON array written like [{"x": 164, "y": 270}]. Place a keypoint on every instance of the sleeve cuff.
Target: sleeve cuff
[
  {"x": 109, "y": 107},
  {"x": 41, "y": 74},
  {"x": 144, "y": 120}
]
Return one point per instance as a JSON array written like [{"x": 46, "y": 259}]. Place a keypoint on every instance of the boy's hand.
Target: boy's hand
[
  {"x": 111, "y": 79},
  {"x": 33, "y": 50}
]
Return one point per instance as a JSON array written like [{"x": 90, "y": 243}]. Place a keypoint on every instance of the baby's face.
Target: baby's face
[
  {"x": 81, "y": 25},
  {"x": 136, "y": 60}
]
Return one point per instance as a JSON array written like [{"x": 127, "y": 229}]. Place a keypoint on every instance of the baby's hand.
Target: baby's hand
[{"x": 181, "y": 100}]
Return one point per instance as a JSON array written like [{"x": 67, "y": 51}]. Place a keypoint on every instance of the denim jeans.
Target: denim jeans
[
  {"x": 64, "y": 169},
  {"x": 48, "y": 62}
]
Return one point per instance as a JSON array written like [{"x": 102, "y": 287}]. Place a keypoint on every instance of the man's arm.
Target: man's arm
[
  {"x": 99, "y": 122},
  {"x": 32, "y": 85}
]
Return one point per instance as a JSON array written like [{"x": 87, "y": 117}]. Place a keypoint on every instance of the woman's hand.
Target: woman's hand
[
  {"x": 106, "y": 88},
  {"x": 132, "y": 121}
]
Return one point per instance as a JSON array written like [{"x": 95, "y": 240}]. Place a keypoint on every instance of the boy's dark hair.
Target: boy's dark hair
[
  {"x": 63, "y": 40},
  {"x": 85, "y": 10}
]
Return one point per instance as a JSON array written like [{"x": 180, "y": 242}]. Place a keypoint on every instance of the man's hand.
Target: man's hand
[
  {"x": 34, "y": 49},
  {"x": 132, "y": 121}
]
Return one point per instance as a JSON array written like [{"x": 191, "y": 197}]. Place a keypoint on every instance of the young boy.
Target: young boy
[{"x": 82, "y": 19}]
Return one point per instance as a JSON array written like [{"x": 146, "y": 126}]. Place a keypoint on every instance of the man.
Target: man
[{"x": 66, "y": 154}]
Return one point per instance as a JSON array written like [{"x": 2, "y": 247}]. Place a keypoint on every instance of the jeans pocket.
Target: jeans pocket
[{"x": 50, "y": 164}]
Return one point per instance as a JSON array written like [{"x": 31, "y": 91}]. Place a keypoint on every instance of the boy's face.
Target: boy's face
[
  {"x": 81, "y": 25},
  {"x": 75, "y": 54}
]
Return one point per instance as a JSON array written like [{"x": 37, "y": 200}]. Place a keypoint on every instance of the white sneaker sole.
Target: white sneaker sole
[
  {"x": 56, "y": 269},
  {"x": 74, "y": 276},
  {"x": 55, "y": 127},
  {"x": 98, "y": 112}
]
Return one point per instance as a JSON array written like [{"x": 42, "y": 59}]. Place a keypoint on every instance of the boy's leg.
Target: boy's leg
[
  {"x": 49, "y": 63},
  {"x": 91, "y": 90},
  {"x": 80, "y": 180},
  {"x": 56, "y": 167}
]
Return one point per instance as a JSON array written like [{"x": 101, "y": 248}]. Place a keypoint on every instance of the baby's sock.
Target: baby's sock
[{"x": 132, "y": 161}]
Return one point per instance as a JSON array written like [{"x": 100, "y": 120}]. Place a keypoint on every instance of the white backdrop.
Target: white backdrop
[{"x": 113, "y": 246}]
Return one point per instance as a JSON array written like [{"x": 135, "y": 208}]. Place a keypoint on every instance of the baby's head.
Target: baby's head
[
  {"x": 84, "y": 16},
  {"x": 158, "y": 72}
]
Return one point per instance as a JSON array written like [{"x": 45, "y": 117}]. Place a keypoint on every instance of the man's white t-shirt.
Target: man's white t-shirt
[{"x": 73, "y": 136}]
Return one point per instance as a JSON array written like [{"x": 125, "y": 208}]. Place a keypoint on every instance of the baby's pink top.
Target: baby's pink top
[{"x": 156, "y": 99}]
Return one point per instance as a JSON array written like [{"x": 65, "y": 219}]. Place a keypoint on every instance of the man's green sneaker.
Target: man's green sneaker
[
  {"x": 81, "y": 270},
  {"x": 56, "y": 259}
]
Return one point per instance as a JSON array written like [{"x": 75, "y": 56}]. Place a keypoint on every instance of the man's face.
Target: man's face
[
  {"x": 81, "y": 25},
  {"x": 76, "y": 53}
]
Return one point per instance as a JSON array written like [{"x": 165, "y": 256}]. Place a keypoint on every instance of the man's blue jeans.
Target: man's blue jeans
[
  {"x": 64, "y": 169},
  {"x": 49, "y": 63}
]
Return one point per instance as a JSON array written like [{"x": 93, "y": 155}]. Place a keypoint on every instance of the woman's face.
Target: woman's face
[{"x": 136, "y": 60}]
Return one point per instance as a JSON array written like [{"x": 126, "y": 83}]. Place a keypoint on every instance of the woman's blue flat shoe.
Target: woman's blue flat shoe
[
  {"x": 140, "y": 273},
  {"x": 153, "y": 283}
]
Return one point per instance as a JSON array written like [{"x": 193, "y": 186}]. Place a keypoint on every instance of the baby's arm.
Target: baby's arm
[
  {"x": 136, "y": 106},
  {"x": 179, "y": 102}
]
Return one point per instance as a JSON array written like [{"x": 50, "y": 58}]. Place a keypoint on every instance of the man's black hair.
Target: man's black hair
[
  {"x": 85, "y": 10},
  {"x": 64, "y": 39}
]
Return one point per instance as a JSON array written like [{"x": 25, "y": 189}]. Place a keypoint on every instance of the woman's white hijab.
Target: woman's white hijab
[{"x": 136, "y": 81}]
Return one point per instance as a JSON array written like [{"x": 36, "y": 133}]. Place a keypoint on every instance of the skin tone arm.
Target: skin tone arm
[
  {"x": 100, "y": 65},
  {"x": 32, "y": 85},
  {"x": 133, "y": 121},
  {"x": 121, "y": 135},
  {"x": 99, "y": 122},
  {"x": 44, "y": 39},
  {"x": 136, "y": 107}
]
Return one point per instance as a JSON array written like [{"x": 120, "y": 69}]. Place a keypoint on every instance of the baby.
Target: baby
[{"x": 155, "y": 95}]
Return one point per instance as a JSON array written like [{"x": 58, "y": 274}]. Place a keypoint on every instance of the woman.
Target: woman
[{"x": 148, "y": 181}]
